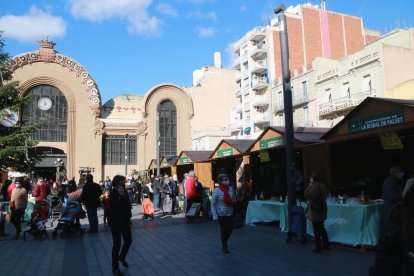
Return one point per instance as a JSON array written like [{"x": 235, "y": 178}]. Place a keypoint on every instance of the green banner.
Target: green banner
[
  {"x": 271, "y": 142},
  {"x": 394, "y": 117},
  {"x": 165, "y": 164},
  {"x": 225, "y": 152},
  {"x": 183, "y": 160}
]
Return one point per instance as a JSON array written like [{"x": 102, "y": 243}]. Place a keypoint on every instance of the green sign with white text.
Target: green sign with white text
[
  {"x": 271, "y": 142},
  {"x": 385, "y": 119},
  {"x": 183, "y": 160},
  {"x": 225, "y": 152}
]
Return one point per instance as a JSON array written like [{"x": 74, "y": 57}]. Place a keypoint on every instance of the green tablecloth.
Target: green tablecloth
[
  {"x": 353, "y": 224},
  {"x": 268, "y": 211}
]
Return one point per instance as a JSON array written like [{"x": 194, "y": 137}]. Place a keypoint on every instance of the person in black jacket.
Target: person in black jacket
[
  {"x": 120, "y": 222},
  {"x": 91, "y": 194}
]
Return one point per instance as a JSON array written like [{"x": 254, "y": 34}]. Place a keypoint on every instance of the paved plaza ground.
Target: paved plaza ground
[{"x": 170, "y": 246}]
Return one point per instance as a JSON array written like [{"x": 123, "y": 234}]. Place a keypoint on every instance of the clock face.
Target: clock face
[{"x": 44, "y": 103}]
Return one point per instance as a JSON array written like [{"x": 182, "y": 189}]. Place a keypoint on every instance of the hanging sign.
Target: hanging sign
[
  {"x": 225, "y": 152},
  {"x": 264, "y": 156},
  {"x": 390, "y": 141},
  {"x": 183, "y": 160},
  {"x": 377, "y": 121},
  {"x": 164, "y": 164},
  {"x": 271, "y": 142},
  {"x": 8, "y": 118}
]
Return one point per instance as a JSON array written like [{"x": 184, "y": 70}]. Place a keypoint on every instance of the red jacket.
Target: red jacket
[
  {"x": 41, "y": 191},
  {"x": 190, "y": 188},
  {"x": 9, "y": 190}
]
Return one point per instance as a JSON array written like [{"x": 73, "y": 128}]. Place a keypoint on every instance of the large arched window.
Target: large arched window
[
  {"x": 49, "y": 107},
  {"x": 168, "y": 128}
]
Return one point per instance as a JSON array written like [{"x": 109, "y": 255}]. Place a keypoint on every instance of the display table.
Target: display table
[
  {"x": 268, "y": 211},
  {"x": 353, "y": 224}
]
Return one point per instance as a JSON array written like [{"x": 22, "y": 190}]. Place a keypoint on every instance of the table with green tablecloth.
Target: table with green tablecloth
[
  {"x": 353, "y": 224},
  {"x": 268, "y": 211}
]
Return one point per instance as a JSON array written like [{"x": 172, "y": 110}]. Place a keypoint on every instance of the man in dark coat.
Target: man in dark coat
[
  {"x": 392, "y": 191},
  {"x": 91, "y": 193}
]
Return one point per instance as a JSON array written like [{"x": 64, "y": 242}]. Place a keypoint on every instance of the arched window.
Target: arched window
[
  {"x": 168, "y": 128},
  {"x": 49, "y": 107}
]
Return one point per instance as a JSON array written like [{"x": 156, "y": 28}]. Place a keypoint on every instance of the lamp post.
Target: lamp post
[
  {"x": 126, "y": 154},
  {"x": 287, "y": 97},
  {"x": 85, "y": 170},
  {"x": 59, "y": 165}
]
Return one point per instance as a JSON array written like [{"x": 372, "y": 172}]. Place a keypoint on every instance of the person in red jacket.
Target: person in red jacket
[
  {"x": 191, "y": 190},
  {"x": 41, "y": 189},
  {"x": 11, "y": 188}
]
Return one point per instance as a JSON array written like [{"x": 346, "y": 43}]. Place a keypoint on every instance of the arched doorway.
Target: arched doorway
[{"x": 52, "y": 166}]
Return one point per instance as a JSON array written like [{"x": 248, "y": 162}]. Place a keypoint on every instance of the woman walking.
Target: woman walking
[
  {"x": 120, "y": 222},
  {"x": 316, "y": 194},
  {"x": 222, "y": 202}
]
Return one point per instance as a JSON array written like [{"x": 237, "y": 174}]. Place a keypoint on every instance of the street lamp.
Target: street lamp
[
  {"x": 287, "y": 97},
  {"x": 126, "y": 155},
  {"x": 59, "y": 167},
  {"x": 85, "y": 170}
]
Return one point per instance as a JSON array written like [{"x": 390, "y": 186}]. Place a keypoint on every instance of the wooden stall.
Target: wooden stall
[
  {"x": 167, "y": 165},
  {"x": 197, "y": 161},
  {"x": 360, "y": 149},
  {"x": 152, "y": 167},
  {"x": 268, "y": 161}
]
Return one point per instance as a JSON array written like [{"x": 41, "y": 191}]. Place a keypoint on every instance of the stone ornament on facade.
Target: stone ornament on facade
[
  {"x": 46, "y": 53},
  {"x": 98, "y": 127},
  {"x": 141, "y": 129}
]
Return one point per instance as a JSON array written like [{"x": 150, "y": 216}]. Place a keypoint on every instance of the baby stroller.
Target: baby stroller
[
  {"x": 57, "y": 206},
  {"x": 147, "y": 208},
  {"x": 37, "y": 223},
  {"x": 69, "y": 220}
]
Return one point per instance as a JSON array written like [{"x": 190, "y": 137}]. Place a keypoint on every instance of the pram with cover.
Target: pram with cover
[
  {"x": 37, "y": 224},
  {"x": 69, "y": 220}
]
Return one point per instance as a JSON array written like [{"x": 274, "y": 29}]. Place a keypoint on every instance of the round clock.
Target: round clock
[{"x": 44, "y": 103}]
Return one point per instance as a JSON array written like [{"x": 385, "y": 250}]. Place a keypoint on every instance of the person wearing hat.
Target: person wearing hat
[
  {"x": 18, "y": 204},
  {"x": 222, "y": 202}
]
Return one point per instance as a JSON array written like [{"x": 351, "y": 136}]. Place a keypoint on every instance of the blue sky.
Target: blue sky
[{"x": 129, "y": 46}]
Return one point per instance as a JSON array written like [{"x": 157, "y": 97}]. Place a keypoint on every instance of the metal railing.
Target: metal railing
[{"x": 345, "y": 103}]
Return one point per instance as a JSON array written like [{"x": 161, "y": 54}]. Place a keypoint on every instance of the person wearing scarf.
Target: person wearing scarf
[{"x": 222, "y": 202}]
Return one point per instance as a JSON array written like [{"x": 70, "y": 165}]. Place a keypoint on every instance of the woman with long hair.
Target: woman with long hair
[{"x": 120, "y": 222}]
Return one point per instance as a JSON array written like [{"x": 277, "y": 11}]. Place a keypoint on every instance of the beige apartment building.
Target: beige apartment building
[
  {"x": 384, "y": 68},
  {"x": 118, "y": 136}
]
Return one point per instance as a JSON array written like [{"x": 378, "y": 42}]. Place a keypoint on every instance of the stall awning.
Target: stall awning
[
  {"x": 231, "y": 147},
  {"x": 152, "y": 164},
  {"x": 273, "y": 137},
  {"x": 192, "y": 156},
  {"x": 373, "y": 116}
]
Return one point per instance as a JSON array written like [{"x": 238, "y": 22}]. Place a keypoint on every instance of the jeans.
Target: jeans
[
  {"x": 116, "y": 231},
  {"x": 156, "y": 200},
  {"x": 93, "y": 218},
  {"x": 16, "y": 219},
  {"x": 226, "y": 227}
]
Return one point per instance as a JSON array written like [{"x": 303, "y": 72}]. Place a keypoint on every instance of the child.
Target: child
[
  {"x": 105, "y": 204},
  {"x": 147, "y": 208}
]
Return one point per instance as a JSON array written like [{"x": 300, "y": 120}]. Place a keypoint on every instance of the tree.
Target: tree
[{"x": 15, "y": 140}]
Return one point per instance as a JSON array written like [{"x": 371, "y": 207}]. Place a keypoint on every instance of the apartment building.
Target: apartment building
[
  {"x": 382, "y": 69},
  {"x": 312, "y": 33}
]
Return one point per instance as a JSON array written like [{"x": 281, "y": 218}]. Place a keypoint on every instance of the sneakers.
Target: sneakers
[
  {"x": 124, "y": 263},
  {"x": 117, "y": 272}
]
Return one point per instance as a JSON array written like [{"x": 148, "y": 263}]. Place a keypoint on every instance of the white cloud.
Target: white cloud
[
  {"x": 133, "y": 11},
  {"x": 231, "y": 55},
  {"x": 205, "y": 32},
  {"x": 33, "y": 26},
  {"x": 243, "y": 7},
  {"x": 167, "y": 9},
  {"x": 201, "y": 15}
]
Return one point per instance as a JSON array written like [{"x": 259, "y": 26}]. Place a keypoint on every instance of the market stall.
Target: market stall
[
  {"x": 167, "y": 165},
  {"x": 268, "y": 163},
  {"x": 152, "y": 167},
  {"x": 197, "y": 161}
]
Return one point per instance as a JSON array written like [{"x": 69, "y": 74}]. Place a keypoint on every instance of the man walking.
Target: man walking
[
  {"x": 91, "y": 193},
  {"x": 41, "y": 189}
]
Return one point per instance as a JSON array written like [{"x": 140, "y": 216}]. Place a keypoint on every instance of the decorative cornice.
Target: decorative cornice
[
  {"x": 141, "y": 129},
  {"x": 98, "y": 127},
  {"x": 46, "y": 54},
  {"x": 121, "y": 109}
]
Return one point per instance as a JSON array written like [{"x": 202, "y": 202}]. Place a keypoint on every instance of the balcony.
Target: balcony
[
  {"x": 238, "y": 92},
  {"x": 257, "y": 34},
  {"x": 236, "y": 63},
  {"x": 259, "y": 51},
  {"x": 344, "y": 104},
  {"x": 300, "y": 99},
  {"x": 238, "y": 108},
  {"x": 261, "y": 119},
  {"x": 278, "y": 106},
  {"x": 259, "y": 83},
  {"x": 259, "y": 67},
  {"x": 246, "y": 90},
  {"x": 246, "y": 74},
  {"x": 236, "y": 125},
  {"x": 246, "y": 106},
  {"x": 237, "y": 78},
  {"x": 260, "y": 101}
]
